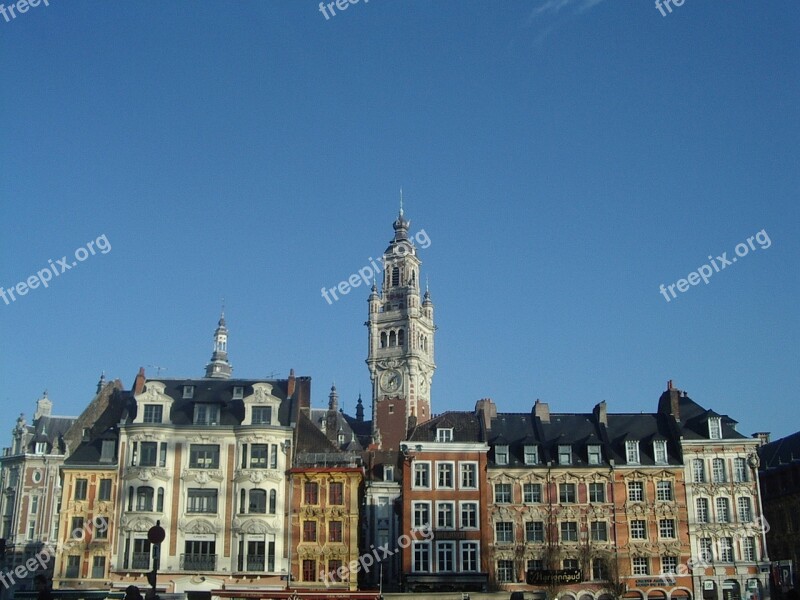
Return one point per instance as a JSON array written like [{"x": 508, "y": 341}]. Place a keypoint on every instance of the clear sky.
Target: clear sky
[{"x": 564, "y": 157}]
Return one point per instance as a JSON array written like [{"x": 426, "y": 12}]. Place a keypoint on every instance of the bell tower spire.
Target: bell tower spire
[
  {"x": 401, "y": 330},
  {"x": 219, "y": 367}
]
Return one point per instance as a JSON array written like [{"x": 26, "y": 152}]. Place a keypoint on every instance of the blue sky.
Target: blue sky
[{"x": 565, "y": 158}]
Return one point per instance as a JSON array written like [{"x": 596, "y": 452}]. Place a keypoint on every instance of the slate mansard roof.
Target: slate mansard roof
[
  {"x": 219, "y": 392},
  {"x": 780, "y": 453}
]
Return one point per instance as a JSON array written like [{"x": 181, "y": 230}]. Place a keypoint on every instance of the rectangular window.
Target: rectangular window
[
  {"x": 702, "y": 510},
  {"x": 505, "y": 571},
  {"x": 699, "y": 470},
  {"x": 421, "y": 514},
  {"x": 531, "y": 493},
  {"x": 715, "y": 428},
  {"x": 81, "y": 486},
  {"x": 204, "y": 456},
  {"x": 599, "y": 569},
  {"x": 445, "y": 515},
  {"x": 100, "y": 526},
  {"x": 566, "y": 493},
  {"x": 669, "y": 564},
  {"x": 99, "y": 567},
  {"x": 335, "y": 531},
  {"x": 188, "y": 391},
  {"x": 635, "y": 491},
  {"x": 311, "y": 492},
  {"x": 535, "y": 564},
  {"x": 445, "y": 557},
  {"x": 531, "y": 455},
  {"x": 739, "y": 470},
  {"x": 469, "y": 556},
  {"x": 666, "y": 528},
  {"x": 469, "y": 515},
  {"x": 336, "y": 493},
  {"x": 744, "y": 509},
  {"x": 641, "y": 565},
  {"x": 262, "y": 415},
  {"x": 569, "y": 531},
  {"x": 501, "y": 455},
  {"x": 76, "y": 531},
  {"x": 273, "y": 456},
  {"x": 201, "y": 500},
  {"x": 104, "y": 490},
  {"x": 723, "y": 511},
  {"x": 73, "y": 566},
  {"x": 599, "y": 531},
  {"x": 638, "y": 529},
  {"x": 565, "y": 455},
  {"x": 144, "y": 499},
  {"x": 444, "y": 435},
  {"x": 597, "y": 492},
  {"x": 469, "y": 475},
  {"x": 238, "y": 392},
  {"x": 422, "y": 475},
  {"x": 444, "y": 475},
  {"x": 664, "y": 491},
  {"x": 309, "y": 531},
  {"x": 705, "y": 550},
  {"x": 571, "y": 563},
  {"x": 422, "y": 557},
  {"x": 726, "y": 549},
  {"x": 632, "y": 452},
  {"x": 749, "y": 549},
  {"x": 502, "y": 493},
  {"x": 206, "y": 414},
  {"x": 148, "y": 454},
  {"x": 259, "y": 456},
  {"x": 153, "y": 413},
  {"x": 31, "y": 530},
  {"x": 660, "y": 451},
  {"x": 595, "y": 455},
  {"x": 388, "y": 473},
  {"x": 309, "y": 569},
  {"x": 504, "y": 532},
  {"x": 718, "y": 470},
  {"x": 534, "y": 531}
]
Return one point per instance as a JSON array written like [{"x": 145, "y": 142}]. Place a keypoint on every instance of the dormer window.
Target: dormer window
[
  {"x": 107, "y": 451},
  {"x": 660, "y": 451},
  {"x": 531, "y": 455},
  {"x": 188, "y": 391},
  {"x": 565, "y": 454},
  {"x": 238, "y": 392},
  {"x": 41, "y": 448},
  {"x": 632, "y": 452},
  {"x": 501, "y": 455},
  {"x": 444, "y": 435},
  {"x": 206, "y": 414},
  {"x": 715, "y": 428},
  {"x": 388, "y": 473},
  {"x": 595, "y": 455}
]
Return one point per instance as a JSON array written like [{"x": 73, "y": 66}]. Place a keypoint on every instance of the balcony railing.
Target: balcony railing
[
  {"x": 255, "y": 563},
  {"x": 140, "y": 561},
  {"x": 198, "y": 562}
]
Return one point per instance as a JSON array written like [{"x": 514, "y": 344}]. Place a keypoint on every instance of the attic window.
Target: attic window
[
  {"x": 107, "y": 451},
  {"x": 715, "y": 428},
  {"x": 660, "y": 451},
  {"x": 188, "y": 391},
  {"x": 565, "y": 455},
  {"x": 388, "y": 473},
  {"x": 632, "y": 452},
  {"x": 531, "y": 455},
  {"x": 41, "y": 448},
  {"x": 595, "y": 455},
  {"x": 444, "y": 435},
  {"x": 238, "y": 392},
  {"x": 206, "y": 414},
  {"x": 501, "y": 455}
]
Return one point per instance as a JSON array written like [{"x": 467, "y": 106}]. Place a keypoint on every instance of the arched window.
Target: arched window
[
  {"x": 144, "y": 499},
  {"x": 273, "y": 497},
  {"x": 160, "y": 500},
  {"x": 383, "y": 339},
  {"x": 392, "y": 339},
  {"x": 258, "y": 501},
  {"x": 401, "y": 338},
  {"x": 242, "y": 495},
  {"x": 130, "y": 498}
]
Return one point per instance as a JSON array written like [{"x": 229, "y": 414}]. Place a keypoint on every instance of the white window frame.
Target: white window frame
[
  {"x": 423, "y": 504},
  {"x": 510, "y": 492},
  {"x": 468, "y": 547},
  {"x": 188, "y": 392},
  {"x": 443, "y": 547},
  {"x": 595, "y": 454},
  {"x": 744, "y": 509},
  {"x": 661, "y": 487},
  {"x": 641, "y": 565},
  {"x": 722, "y": 508},
  {"x": 442, "y": 466},
  {"x": 531, "y": 454},
  {"x": 463, "y": 508},
  {"x": 660, "y": 452},
  {"x": 444, "y": 434},
  {"x": 528, "y": 498},
  {"x": 715, "y": 428},
  {"x": 501, "y": 454},
  {"x": 640, "y": 529},
  {"x": 425, "y": 467},
  {"x": 702, "y": 510},
  {"x": 439, "y": 506},
  {"x": 424, "y": 548},
  {"x": 473, "y": 467},
  {"x": 636, "y": 491},
  {"x": 564, "y": 454},
  {"x": 667, "y": 529},
  {"x": 632, "y": 452}
]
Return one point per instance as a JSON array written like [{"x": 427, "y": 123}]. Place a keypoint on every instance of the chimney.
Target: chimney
[
  {"x": 541, "y": 410},
  {"x": 138, "y": 383},
  {"x": 487, "y": 410},
  {"x": 670, "y": 402},
  {"x": 290, "y": 384},
  {"x": 600, "y": 413},
  {"x": 762, "y": 436}
]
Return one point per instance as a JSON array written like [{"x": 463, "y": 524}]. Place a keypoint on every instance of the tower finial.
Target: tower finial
[{"x": 401, "y": 202}]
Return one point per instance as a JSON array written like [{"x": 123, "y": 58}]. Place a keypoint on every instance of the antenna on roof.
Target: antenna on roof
[
  {"x": 272, "y": 375},
  {"x": 158, "y": 369}
]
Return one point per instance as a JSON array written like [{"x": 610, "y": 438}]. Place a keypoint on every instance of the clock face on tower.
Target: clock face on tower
[{"x": 391, "y": 381}]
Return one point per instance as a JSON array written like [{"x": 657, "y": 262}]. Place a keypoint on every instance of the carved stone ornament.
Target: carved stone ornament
[
  {"x": 199, "y": 526},
  {"x": 262, "y": 392},
  {"x": 390, "y": 363},
  {"x": 201, "y": 476},
  {"x": 136, "y": 523}
]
